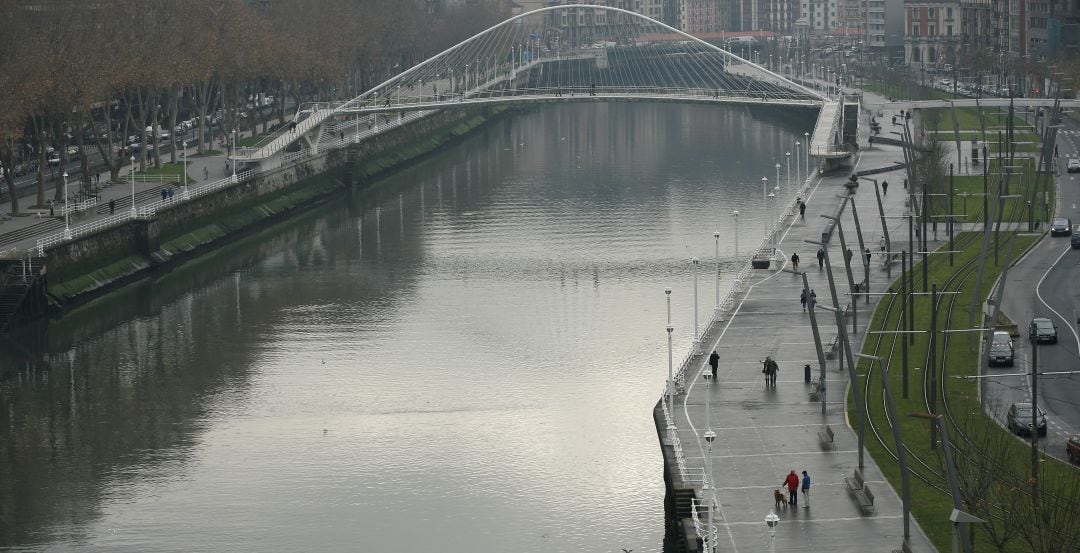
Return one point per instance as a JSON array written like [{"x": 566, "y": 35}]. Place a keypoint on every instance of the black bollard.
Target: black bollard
[{"x": 806, "y": 373}]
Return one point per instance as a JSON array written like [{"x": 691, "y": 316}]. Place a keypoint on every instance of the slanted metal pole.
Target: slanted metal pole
[
  {"x": 952, "y": 192},
  {"x": 851, "y": 280},
  {"x": 838, "y": 314},
  {"x": 904, "y": 315},
  {"x": 811, "y": 304},
  {"x": 901, "y": 451},
  {"x": 862, "y": 247},
  {"x": 1035, "y": 426},
  {"x": 932, "y": 363},
  {"x": 884, "y": 230},
  {"x": 954, "y": 484}
]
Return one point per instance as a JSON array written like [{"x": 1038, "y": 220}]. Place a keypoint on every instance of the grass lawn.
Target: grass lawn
[
  {"x": 929, "y": 505},
  {"x": 940, "y": 119},
  {"x": 1022, "y": 183},
  {"x": 165, "y": 169}
]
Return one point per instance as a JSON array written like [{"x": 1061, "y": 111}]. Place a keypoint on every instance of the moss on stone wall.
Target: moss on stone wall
[{"x": 95, "y": 277}]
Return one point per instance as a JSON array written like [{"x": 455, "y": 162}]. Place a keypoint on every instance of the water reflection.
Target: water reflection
[{"x": 464, "y": 359}]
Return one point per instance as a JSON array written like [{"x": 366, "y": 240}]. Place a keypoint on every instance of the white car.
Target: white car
[{"x": 1073, "y": 166}]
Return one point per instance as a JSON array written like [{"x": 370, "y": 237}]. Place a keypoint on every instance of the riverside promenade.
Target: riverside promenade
[{"x": 763, "y": 433}]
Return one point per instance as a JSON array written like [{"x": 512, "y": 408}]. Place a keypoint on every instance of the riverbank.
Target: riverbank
[{"x": 94, "y": 265}]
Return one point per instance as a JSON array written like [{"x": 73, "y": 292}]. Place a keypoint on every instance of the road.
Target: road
[{"x": 1043, "y": 285}]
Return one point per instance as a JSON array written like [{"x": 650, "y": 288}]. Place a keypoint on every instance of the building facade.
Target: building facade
[{"x": 931, "y": 32}]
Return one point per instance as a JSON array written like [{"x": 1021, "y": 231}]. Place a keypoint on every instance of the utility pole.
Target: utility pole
[
  {"x": 904, "y": 315},
  {"x": 1035, "y": 425},
  {"x": 932, "y": 364}
]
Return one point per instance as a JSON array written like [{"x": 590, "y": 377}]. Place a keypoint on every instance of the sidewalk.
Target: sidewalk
[
  {"x": 20, "y": 232},
  {"x": 763, "y": 433}
]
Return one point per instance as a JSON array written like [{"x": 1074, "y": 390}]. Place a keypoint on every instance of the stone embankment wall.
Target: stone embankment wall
[{"x": 94, "y": 264}]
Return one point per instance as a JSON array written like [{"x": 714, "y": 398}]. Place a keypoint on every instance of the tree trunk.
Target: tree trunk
[
  {"x": 84, "y": 164},
  {"x": 39, "y": 137},
  {"x": 7, "y": 156}
]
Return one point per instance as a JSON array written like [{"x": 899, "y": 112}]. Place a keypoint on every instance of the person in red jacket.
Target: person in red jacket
[{"x": 792, "y": 483}]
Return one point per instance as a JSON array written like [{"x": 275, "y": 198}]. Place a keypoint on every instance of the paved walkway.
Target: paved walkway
[
  {"x": 763, "y": 433},
  {"x": 20, "y": 232}
]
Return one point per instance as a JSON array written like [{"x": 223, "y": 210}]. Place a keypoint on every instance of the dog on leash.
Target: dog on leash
[{"x": 779, "y": 498}]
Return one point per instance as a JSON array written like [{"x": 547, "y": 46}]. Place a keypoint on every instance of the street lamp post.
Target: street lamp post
[
  {"x": 775, "y": 197},
  {"x": 735, "y": 214},
  {"x": 806, "y": 143},
  {"x": 788, "y": 156},
  {"x": 133, "y": 212},
  {"x": 798, "y": 165},
  {"x": 697, "y": 338},
  {"x": 670, "y": 378},
  {"x": 771, "y": 520},
  {"x": 716, "y": 237},
  {"x": 765, "y": 201},
  {"x": 183, "y": 155},
  {"x": 234, "y": 154},
  {"x": 67, "y": 211}
]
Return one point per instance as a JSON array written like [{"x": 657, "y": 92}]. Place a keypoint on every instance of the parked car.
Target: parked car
[
  {"x": 54, "y": 160},
  {"x": 1072, "y": 449},
  {"x": 1042, "y": 330},
  {"x": 1018, "y": 419},
  {"x": 1060, "y": 226},
  {"x": 1001, "y": 350},
  {"x": 1073, "y": 165},
  {"x": 1075, "y": 241}
]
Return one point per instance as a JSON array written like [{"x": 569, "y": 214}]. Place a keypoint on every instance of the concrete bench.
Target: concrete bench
[
  {"x": 859, "y": 488},
  {"x": 865, "y": 499},
  {"x": 826, "y": 437},
  {"x": 855, "y": 482}
]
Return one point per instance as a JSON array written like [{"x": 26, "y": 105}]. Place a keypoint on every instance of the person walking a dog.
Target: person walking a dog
[{"x": 792, "y": 483}]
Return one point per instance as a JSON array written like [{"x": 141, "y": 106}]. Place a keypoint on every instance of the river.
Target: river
[{"x": 464, "y": 359}]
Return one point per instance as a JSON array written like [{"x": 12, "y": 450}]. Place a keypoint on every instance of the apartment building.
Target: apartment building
[
  {"x": 931, "y": 32},
  {"x": 699, "y": 16}
]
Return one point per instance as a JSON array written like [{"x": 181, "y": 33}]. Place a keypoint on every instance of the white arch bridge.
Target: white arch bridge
[{"x": 571, "y": 53}]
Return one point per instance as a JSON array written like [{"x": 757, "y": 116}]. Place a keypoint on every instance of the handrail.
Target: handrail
[{"x": 143, "y": 212}]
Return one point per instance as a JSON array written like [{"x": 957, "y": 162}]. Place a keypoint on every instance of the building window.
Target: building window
[
  {"x": 948, "y": 13},
  {"x": 930, "y": 31},
  {"x": 948, "y": 30},
  {"x": 915, "y": 31},
  {"x": 930, "y": 13}
]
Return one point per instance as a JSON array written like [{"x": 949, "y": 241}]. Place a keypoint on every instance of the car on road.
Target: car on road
[
  {"x": 1018, "y": 419},
  {"x": 1001, "y": 350},
  {"x": 1073, "y": 166},
  {"x": 1072, "y": 449},
  {"x": 1060, "y": 226},
  {"x": 1042, "y": 330},
  {"x": 53, "y": 161},
  {"x": 1075, "y": 240}
]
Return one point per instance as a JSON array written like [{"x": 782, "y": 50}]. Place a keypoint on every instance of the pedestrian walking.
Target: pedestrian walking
[
  {"x": 769, "y": 369},
  {"x": 792, "y": 483},
  {"x": 806, "y": 490},
  {"x": 802, "y": 209},
  {"x": 205, "y": 173},
  {"x": 164, "y": 194},
  {"x": 847, "y": 256},
  {"x": 867, "y": 254},
  {"x": 795, "y": 261},
  {"x": 112, "y": 207},
  {"x": 714, "y": 362},
  {"x": 802, "y": 299},
  {"x": 820, "y": 258},
  {"x": 813, "y": 297},
  {"x": 884, "y": 188}
]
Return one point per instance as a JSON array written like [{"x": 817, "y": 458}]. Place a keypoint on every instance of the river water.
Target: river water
[{"x": 463, "y": 360}]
